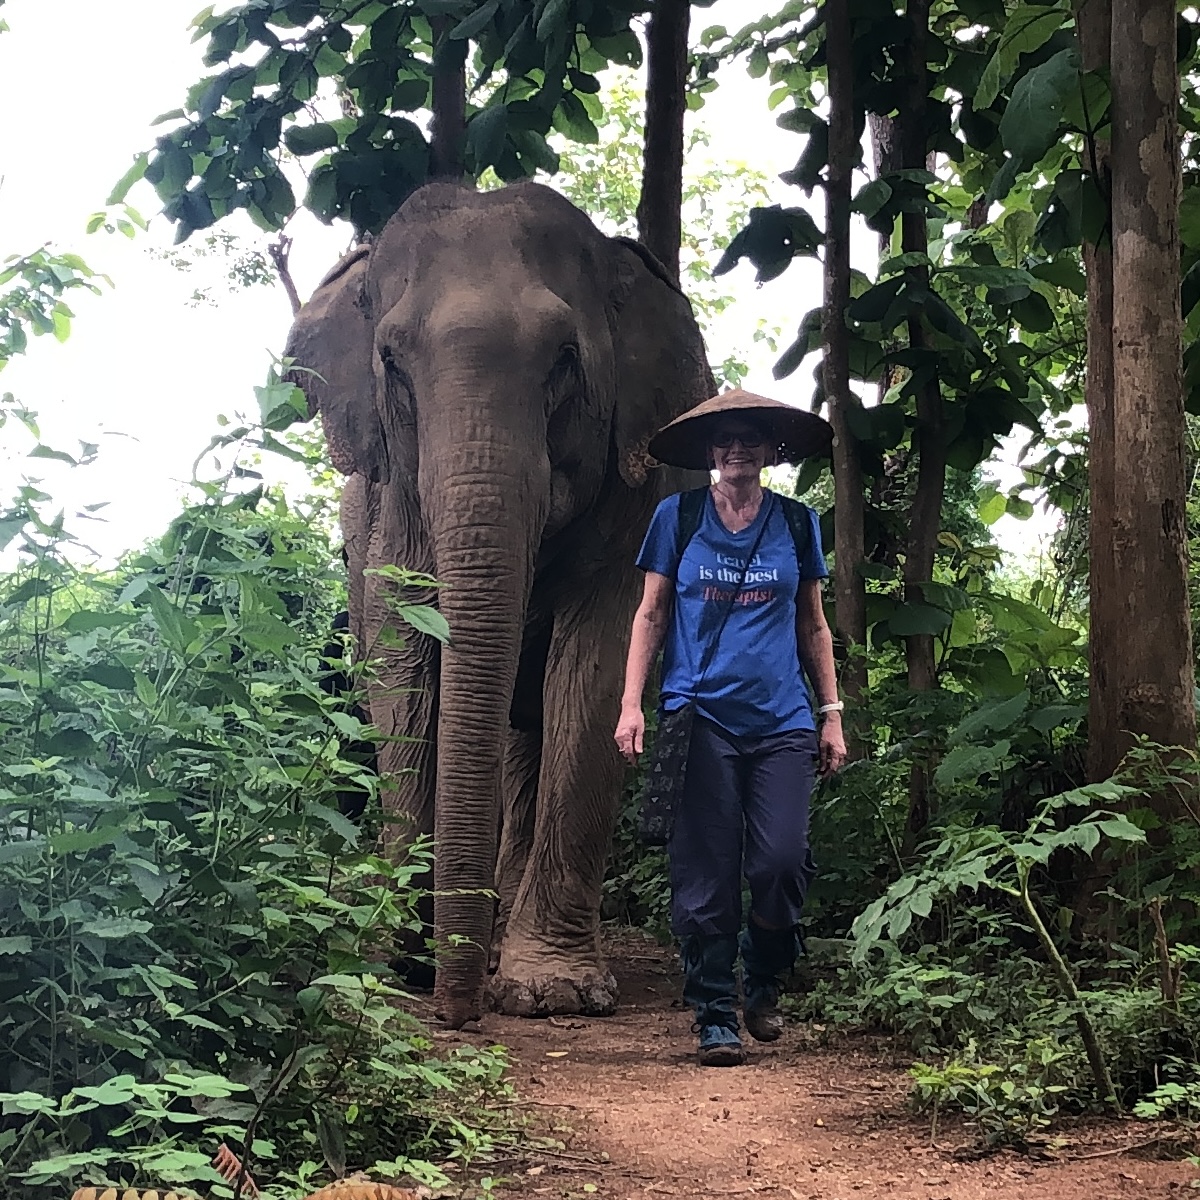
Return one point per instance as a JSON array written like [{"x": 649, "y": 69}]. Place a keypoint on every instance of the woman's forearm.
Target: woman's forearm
[
  {"x": 645, "y": 641},
  {"x": 816, "y": 656}
]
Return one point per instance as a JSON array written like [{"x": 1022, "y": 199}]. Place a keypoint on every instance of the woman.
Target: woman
[{"x": 733, "y": 597}]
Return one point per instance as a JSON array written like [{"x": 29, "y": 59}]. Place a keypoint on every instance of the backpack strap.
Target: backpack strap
[
  {"x": 688, "y": 517},
  {"x": 796, "y": 513}
]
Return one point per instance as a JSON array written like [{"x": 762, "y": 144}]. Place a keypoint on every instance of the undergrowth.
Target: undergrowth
[
  {"x": 193, "y": 938},
  {"x": 973, "y": 962}
]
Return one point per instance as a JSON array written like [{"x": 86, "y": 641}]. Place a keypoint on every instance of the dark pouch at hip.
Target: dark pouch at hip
[{"x": 665, "y": 771}]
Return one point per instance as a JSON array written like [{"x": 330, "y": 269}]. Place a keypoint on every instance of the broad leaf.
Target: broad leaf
[
  {"x": 912, "y": 620},
  {"x": 1030, "y": 124},
  {"x": 1027, "y": 28}
]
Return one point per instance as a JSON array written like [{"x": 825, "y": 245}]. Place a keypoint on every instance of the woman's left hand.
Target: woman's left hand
[{"x": 832, "y": 744}]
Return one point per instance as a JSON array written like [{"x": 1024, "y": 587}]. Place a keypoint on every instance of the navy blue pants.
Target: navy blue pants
[{"x": 744, "y": 807}]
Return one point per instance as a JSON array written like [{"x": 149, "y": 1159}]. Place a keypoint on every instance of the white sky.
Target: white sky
[{"x": 144, "y": 374}]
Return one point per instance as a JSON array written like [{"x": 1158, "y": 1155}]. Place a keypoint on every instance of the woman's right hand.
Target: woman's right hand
[{"x": 631, "y": 731}]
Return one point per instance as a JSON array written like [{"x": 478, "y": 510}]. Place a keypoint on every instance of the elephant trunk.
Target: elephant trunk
[{"x": 486, "y": 519}]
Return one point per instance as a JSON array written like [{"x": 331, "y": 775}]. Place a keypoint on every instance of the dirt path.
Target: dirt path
[{"x": 799, "y": 1122}]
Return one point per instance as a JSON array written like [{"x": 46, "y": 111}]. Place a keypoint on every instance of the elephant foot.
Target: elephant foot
[
  {"x": 592, "y": 994},
  {"x": 455, "y": 1011}
]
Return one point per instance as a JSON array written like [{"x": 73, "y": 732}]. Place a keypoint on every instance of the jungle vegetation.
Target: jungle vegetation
[{"x": 1008, "y": 867}]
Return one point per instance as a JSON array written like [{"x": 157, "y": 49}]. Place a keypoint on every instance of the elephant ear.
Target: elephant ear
[
  {"x": 332, "y": 342},
  {"x": 660, "y": 362}
]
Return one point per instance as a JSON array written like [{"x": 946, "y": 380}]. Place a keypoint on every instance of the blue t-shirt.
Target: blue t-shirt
[{"x": 754, "y": 685}]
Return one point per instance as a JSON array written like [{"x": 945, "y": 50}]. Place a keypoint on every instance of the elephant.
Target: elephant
[{"x": 489, "y": 371}]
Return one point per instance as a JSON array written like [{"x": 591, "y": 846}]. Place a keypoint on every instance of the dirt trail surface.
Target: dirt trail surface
[{"x": 800, "y": 1121}]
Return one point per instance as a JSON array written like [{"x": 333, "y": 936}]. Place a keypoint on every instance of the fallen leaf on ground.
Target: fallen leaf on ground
[{"x": 557, "y": 1053}]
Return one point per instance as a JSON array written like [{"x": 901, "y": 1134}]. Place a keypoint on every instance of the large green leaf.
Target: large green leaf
[
  {"x": 572, "y": 119},
  {"x": 1028, "y": 27},
  {"x": 993, "y": 716},
  {"x": 808, "y": 339},
  {"x": 882, "y": 425},
  {"x": 910, "y": 620},
  {"x": 1033, "y": 312},
  {"x": 991, "y": 507},
  {"x": 87, "y": 620},
  {"x": 1030, "y": 125},
  {"x": 965, "y": 764},
  {"x": 177, "y": 630},
  {"x": 486, "y": 134},
  {"x": 1189, "y": 218},
  {"x": 311, "y": 139},
  {"x": 425, "y": 619},
  {"x": 873, "y": 305},
  {"x": 470, "y": 26},
  {"x": 133, "y": 175},
  {"x": 992, "y": 277}
]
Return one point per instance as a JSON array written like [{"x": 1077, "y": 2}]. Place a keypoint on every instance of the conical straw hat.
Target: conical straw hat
[{"x": 796, "y": 434}]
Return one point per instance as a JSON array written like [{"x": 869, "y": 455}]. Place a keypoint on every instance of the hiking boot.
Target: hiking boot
[
  {"x": 720, "y": 1046},
  {"x": 710, "y": 987},
  {"x": 767, "y": 955},
  {"x": 764, "y": 1023}
]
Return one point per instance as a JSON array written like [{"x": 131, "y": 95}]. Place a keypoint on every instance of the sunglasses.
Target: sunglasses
[{"x": 748, "y": 440}]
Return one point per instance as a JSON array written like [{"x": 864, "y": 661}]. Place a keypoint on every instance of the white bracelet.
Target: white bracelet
[{"x": 836, "y": 706}]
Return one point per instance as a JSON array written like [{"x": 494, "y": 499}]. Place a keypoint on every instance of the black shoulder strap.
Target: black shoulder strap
[
  {"x": 800, "y": 523},
  {"x": 691, "y": 511}
]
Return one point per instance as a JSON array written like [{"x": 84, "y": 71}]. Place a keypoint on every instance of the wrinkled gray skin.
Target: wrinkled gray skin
[{"x": 491, "y": 371}]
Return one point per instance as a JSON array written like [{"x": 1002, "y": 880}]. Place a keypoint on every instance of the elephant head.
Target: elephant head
[{"x": 496, "y": 366}]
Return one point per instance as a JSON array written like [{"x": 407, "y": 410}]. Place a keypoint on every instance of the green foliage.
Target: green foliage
[
  {"x": 334, "y": 82},
  {"x": 32, "y": 287},
  {"x": 998, "y": 295},
  {"x": 1004, "y": 1104},
  {"x": 637, "y": 890},
  {"x": 965, "y": 958},
  {"x": 1180, "y": 1100},
  {"x": 193, "y": 936},
  {"x": 990, "y": 857}
]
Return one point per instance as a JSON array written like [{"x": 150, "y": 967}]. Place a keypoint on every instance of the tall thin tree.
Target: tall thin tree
[
  {"x": 1155, "y": 678},
  {"x": 659, "y": 214},
  {"x": 929, "y": 436},
  {"x": 449, "y": 97},
  {"x": 849, "y": 586},
  {"x": 1093, "y": 24}
]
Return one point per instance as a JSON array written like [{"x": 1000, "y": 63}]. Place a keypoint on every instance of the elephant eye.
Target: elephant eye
[
  {"x": 399, "y": 390},
  {"x": 565, "y": 378}
]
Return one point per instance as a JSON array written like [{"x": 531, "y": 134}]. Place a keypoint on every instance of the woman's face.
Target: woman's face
[{"x": 739, "y": 450}]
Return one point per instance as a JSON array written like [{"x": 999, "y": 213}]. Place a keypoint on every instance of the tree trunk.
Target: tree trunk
[
  {"x": 885, "y": 158},
  {"x": 1154, "y": 678},
  {"x": 659, "y": 217},
  {"x": 929, "y": 436},
  {"x": 849, "y": 586},
  {"x": 1093, "y": 23},
  {"x": 449, "y": 125}
]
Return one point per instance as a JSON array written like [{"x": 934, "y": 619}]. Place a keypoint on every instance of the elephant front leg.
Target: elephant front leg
[
  {"x": 550, "y": 960},
  {"x": 522, "y": 760}
]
